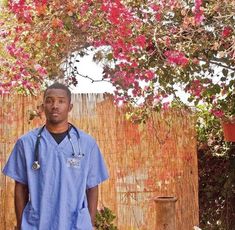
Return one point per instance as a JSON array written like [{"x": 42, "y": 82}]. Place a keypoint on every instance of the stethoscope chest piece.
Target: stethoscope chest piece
[{"x": 36, "y": 165}]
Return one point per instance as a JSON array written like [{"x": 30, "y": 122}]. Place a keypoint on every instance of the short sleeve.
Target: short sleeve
[
  {"x": 97, "y": 169},
  {"x": 16, "y": 164}
]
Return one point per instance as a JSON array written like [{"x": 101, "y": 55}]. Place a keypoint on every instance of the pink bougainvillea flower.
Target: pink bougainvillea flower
[
  {"x": 199, "y": 17},
  {"x": 217, "y": 113},
  {"x": 149, "y": 75},
  {"x": 176, "y": 57},
  {"x": 198, "y": 12},
  {"x": 141, "y": 41},
  {"x": 22, "y": 10},
  {"x": 196, "y": 88},
  {"x": 158, "y": 17},
  {"x": 57, "y": 23},
  {"x": 226, "y": 32},
  {"x": 165, "y": 105},
  {"x": 42, "y": 71},
  {"x": 155, "y": 7},
  {"x": 40, "y": 2},
  {"x": 114, "y": 15}
]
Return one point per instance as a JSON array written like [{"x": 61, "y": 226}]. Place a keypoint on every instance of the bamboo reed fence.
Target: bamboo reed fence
[{"x": 157, "y": 158}]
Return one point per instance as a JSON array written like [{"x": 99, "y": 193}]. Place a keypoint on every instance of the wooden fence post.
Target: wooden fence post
[{"x": 165, "y": 213}]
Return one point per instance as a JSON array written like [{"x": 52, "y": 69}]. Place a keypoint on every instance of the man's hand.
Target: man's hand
[
  {"x": 92, "y": 199},
  {"x": 21, "y": 199}
]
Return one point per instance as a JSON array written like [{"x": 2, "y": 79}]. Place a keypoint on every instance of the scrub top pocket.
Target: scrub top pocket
[
  {"x": 30, "y": 218},
  {"x": 82, "y": 220},
  {"x": 72, "y": 162}
]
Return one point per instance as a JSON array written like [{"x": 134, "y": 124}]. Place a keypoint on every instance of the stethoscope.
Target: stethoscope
[{"x": 36, "y": 165}]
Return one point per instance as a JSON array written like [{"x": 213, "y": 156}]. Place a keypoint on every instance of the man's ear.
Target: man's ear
[
  {"x": 41, "y": 107},
  {"x": 70, "y": 107}
]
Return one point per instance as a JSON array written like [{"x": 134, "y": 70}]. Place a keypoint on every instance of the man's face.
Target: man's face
[{"x": 56, "y": 106}]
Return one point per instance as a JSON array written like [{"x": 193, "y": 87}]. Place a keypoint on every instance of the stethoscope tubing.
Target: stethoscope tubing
[{"x": 36, "y": 164}]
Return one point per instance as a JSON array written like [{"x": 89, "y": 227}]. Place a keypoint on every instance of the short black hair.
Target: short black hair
[{"x": 58, "y": 85}]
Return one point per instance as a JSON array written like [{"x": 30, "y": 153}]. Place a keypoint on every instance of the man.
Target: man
[{"x": 57, "y": 169}]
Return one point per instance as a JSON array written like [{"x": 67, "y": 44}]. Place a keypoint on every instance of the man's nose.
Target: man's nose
[{"x": 55, "y": 104}]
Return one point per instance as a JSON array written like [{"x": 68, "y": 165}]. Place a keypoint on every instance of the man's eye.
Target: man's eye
[
  {"x": 48, "y": 101},
  {"x": 61, "y": 101}
]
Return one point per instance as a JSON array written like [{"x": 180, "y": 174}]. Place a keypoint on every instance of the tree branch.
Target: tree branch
[
  {"x": 218, "y": 64},
  {"x": 75, "y": 72}
]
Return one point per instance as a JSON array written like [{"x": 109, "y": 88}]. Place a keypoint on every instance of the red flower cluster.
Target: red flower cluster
[
  {"x": 176, "y": 57},
  {"x": 226, "y": 32}
]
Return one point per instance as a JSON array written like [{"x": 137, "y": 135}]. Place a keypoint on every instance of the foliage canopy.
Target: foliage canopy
[{"x": 154, "y": 48}]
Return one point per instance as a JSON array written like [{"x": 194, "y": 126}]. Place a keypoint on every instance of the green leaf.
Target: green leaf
[
  {"x": 217, "y": 89},
  {"x": 225, "y": 72},
  {"x": 109, "y": 56}
]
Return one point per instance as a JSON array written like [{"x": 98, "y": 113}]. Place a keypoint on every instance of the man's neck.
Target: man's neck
[{"x": 57, "y": 128}]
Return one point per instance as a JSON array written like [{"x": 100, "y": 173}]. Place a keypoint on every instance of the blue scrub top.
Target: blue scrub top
[{"x": 58, "y": 189}]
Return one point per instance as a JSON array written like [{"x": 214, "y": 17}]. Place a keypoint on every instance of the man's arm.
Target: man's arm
[
  {"x": 92, "y": 198},
  {"x": 21, "y": 199}
]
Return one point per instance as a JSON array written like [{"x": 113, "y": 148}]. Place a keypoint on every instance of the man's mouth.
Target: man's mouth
[{"x": 54, "y": 114}]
